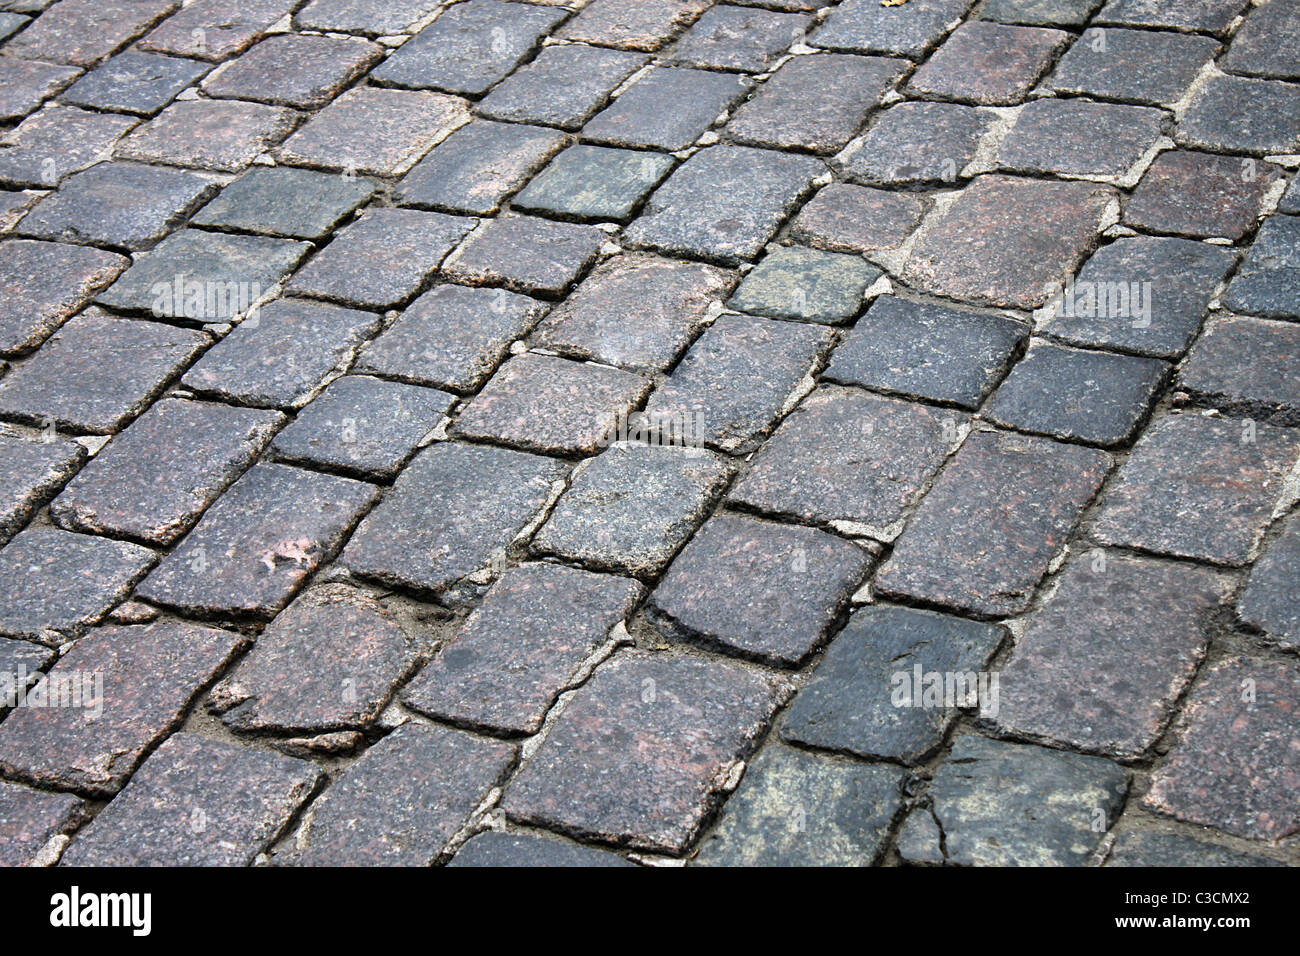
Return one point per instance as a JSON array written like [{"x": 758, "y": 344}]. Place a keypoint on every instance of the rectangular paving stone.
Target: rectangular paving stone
[
  {"x": 1147, "y": 848},
  {"x": 140, "y": 83},
  {"x": 594, "y": 183},
  {"x": 735, "y": 38},
  {"x": 632, "y": 24},
  {"x": 281, "y": 201},
  {"x": 522, "y": 647},
  {"x": 526, "y": 254},
  {"x": 152, "y": 481},
  {"x": 377, "y": 17},
  {"x": 68, "y": 581},
  {"x": 33, "y": 471},
  {"x": 1140, "y": 66},
  {"x": 1069, "y": 13},
  {"x": 278, "y": 358},
  {"x": 847, "y": 218},
  {"x": 630, "y": 508},
  {"x": 1210, "y": 16},
  {"x": 1266, "y": 43},
  {"x": 31, "y": 818},
  {"x": 97, "y": 372},
  {"x": 258, "y": 543},
  {"x": 215, "y": 29},
  {"x": 988, "y": 63},
  {"x": 916, "y": 142},
  {"x": 1243, "y": 114},
  {"x": 986, "y": 532},
  {"x": 1247, "y": 366},
  {"x": 733, "y": 384},
  {"x": 1200, "y": 195},
  {"x": 478, "y": 166},
  {"x": 1175, "y": 278},
  {"x": 867, "y": 26},
  {"x": 762, "y": 590},
  {"x": 81, "y": 32},
  {"x": 294, "y": 69},
  {"x": 564, "y": 86},
  {"x": 427, "y": 542},
  {"x": 635, "y": 311},
  {"x": 24, "y": 84},
  {"x": 1006, "y": 240},
  {"x": 724, "y": 203},
  {"x": 197, "y": 802},
  {"x": 1236, "y": 762},
  {"x": 1076, "y": 137},
  {"x": 42, "y": 283},
  {"x": 142, "y": 682},
  {"x": 469, "y": 47},
  {"x": 221, "y": 135},
  {"x": 1269, "y": 603},
  {"x": 452, "y": 337},
  {"x": 329, "y": 661},
  {"x": 403, "y": 800},
  {"x": 666, "y": 108},
  {"x": 797, "y": 283},
  {"x": 871, "y": 694},
  {"x": 587, "y": 780},
  {"x": 359, "y": 268},
  {"x": 848, "y": 456},
  {"x": 1198, "y": 487},
  {"x": 1269, "y": 278},
  {"x": 54, "y": 143},
  {"x": 492, "y": 848},
  {"x": 801, "y": 809}
]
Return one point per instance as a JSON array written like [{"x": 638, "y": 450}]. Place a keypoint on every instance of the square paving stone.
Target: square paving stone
[
  {"x": 31, "y": 818},
  {"x": 847, "y": 218},
  {"x": 329, "y": 661},
  {"x": 258, "y": 543},
  {"x": 1209, "y": 16},
  {"x": 1146, "y": 848},
  {"x": 635, "y": 311},
  {"x": 1008, "y": 241},
  {"x": 1141, "y": 66},
  {"x": 42, "y": 283},
  {"x": 140, "y": 83},
  {"x": 203, "y": 276},
  {"x": 734, "y": 38},
  {"x": 1074, "y": 678},
  {"x": 814, "y": 102},
  {"x": 800, "y": 809},
  {"x": 1080, "y": 138},
  {"x": 24, "y": 84},
  {"x": 916, "y": 142},
  {"x": 1068, "y": 13},
  {"x": 1268, "y": 282},
  {"x": 82, "y": 32},
  {"x": 552, "y": 405},
  {"x": 595, "y": 182},
  {"x": 1095, "y": 397},
  {"x": 363, "y": 425},
  {"x": 469, "y": 47},
  {"x": 869, "y": 27},
  {"x": 278, "y": 358},
  {"x": 1269, "y": 602},
  {"x": 763, "y": 590},
  {"x": 563, "y": 87},
  {"x": 630, "y": 508},
  {"x": 735, "y": 381},
  {"x": 425, "y": 541},
  {"x": 402, "y": 802},
  {"x": 281, "y": 201},
  {"x": 1247, "y": 366},
  {"x": 872, "y": 693},
  {"x": 373, "y": 17},
  {"x": 526, "y": 254},
  {"x": 46, "y": 147},
  {"x": 451, "y": 337},
  {"x": 223, "y": 135},
  {"x": 989, "y": 63},
  {"x": 33, "y": 471},
  {"x": 97, "y": 372},
  {"x": 153, "y": 480},
  {"x": 1238, "y": 758},
  {"x": 215, "y": 29},
  {"x": 1168, "y": 284},
  {"x": 1243, "y": 114},
  {"x": 724, "y": 203},
  {"x": 1000, "y": 804},
  {"x": 478, "y": 166},
  {"x": 68, "y": 581},
  {"x": 926, "y": 350},
  {"x": 118, "y": 204},
  {"x": 359, "y": 267},
  {"x": 632, "y": 24},
  {"x": 1200, "y": 195},
  {"x": 1266, "y": 44},
  {"x": 848, "y": 456},
  {"x": 522, "y": 647},
  {"x": 142, "y": 682},
  {"x": 1198, "y": 487},
  {"x": 197, "y": 802},
  {"x": 985, "y": 534},
  {"x": 666, "y": 108},
  {"x": 368, "y": 130},
  {"x": 797, "y": 283},
  {"x": 611, "y": 767},
  {"x": 492, "y": 848},
  {"x": 295, "y": 69}
]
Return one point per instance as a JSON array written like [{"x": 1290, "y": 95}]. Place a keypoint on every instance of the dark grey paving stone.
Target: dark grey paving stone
[
  {"x": 1266, "y": 44},
  {"x": 257, "y": 545},
  {"x": 1080, "y": 138},
  {"x": 426, "y": 542},
  {"x": 54, "y": 143},
  {"x": 281, "y": 201},
  {"x": 1210, "y": 16},
  {"x": 1246, "y": 366},
  {"x": 735, "y": 38},
  {"x": 304, "y": 71},
  {"x": 215, "y": 29},
  {"x": 375, "y": 17},
  {"x": 31, "y": 818},
  {"x": 11, "y": 23},
  {"x": 496, "y": 849},
  {"x": 797, "y": 283},
  {"x": 926, "y": 350},
  {"x": 1243, "y": 114},
  {"x": 916, "y": 142},
  {"x": 220, "y": 135},
  {"x": 452, "y": 337},
  {"x": 152, "y": 481},
  {"x": 1141, "y": 66},
  {"x": 988, "y": 63},
  {"x": 277, "y": 358},
  {"x": 1269, "y": 602},
  {"x": 24, "y": 84},
  {"x": 526, "y": 254},
  {"x": 1041, "y": 13},
  {"x": 42, "y": 283},
  {"x": 857, "y": 219},
  {"x": 801, "y": 809},
  {"x": 32, "y": 472},
  {"x": 724, "y": 203},
  {"x": 595, "y": 183},
  {"x": 867, "y": 27},
  {"x": 564, "y": 86},
  {"x": 1200, "y": 195},
  {"x": 1149, "y": 848},
  {"x": 82, "y": 32},
  {"x": 631, "y": 24},
  {"x": 630, "y": 508},
  {"x": 666, "y": 108},
  {"x": 1290, "y": 201},
  {"x": 469, "y": 48},
  {"x": 13, "y": 206},
  {"x": 1269, "y": 279},
  {"x": 140, "y": 83}
]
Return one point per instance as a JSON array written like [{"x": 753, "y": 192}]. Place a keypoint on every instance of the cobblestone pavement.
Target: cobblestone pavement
[{"x": 650, "y": 431}]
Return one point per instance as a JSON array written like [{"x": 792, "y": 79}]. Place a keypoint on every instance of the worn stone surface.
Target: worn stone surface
[
  {"x": 594, "y": 183},
  {"x": 1212, "y": 16},
  {"x": 666, "y": 108},
  {"x": 279, "y": 201},
  {"x": 25, "y": 83},
  {"x": 916, "y": 142},
  {"x": 30, "y": 818},
  {"x": 988, "y": 63},
  {"x": 1269, "y": 277},
  {"x": 526, "y": 254},
  {"x": 1139, "y": 66},
  {"x": 867, "y": 26},
  {"x": 294, "y": 69},
  {"x": 495, "y": 849},
  {"x": 215, "y": 29},
  {"x": 221, "y": 135},
  {"x": 1247, "y": 365},
  {"x": 81, "y": 32},
  {"x": 33, "y": 471},
  {"x": 522, "y": 647},
  {"x": 564, "y": 86},
  {"x": 735, "y": 38},
  {"x": 42, "y": 283},
  {"x": 1199, "y": 195},
  {"x": 1269, "y": 602},
  {"x": 54, "y": 143},
  {"x": 378, "y": 17},
  {"x": 1148, "y": 848},
  {"x": 1266, "y": 44},
  {"x": 632, "y": 24},
  {"x": 1079, "y": 138},
  {"x": 1039, "y": 12},
  {"x": 847, "y": 218},
  {"x": 797, "y": 283},
  {"x": 140, "y": 83},
  {"x": 1243, "y": 114}
]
